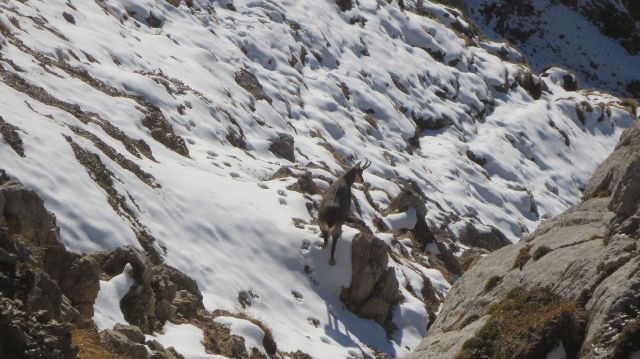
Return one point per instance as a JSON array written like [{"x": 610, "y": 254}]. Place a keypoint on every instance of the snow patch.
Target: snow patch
[{"x": 107, "y": 311}]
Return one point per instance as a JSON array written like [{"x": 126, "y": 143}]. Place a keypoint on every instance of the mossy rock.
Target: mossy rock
[
  {"x": 528, "y": 324},
  {"x": 492, "y": 283},
  {"x": 540, "y": 252}
]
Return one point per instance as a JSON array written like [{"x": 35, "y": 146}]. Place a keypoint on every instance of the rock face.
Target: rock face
[
  {"x": 25, "y": 216},
  {"x": 48, "y": 294},
  {"x": 159, "y": 293},
  {"x": 586, "y": 258},
  {"x": 374, "y": 286},
  {"x": 34, "y": 313}
]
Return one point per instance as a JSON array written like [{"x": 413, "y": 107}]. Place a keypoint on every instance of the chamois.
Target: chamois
[{"x": 335, "y": 205}]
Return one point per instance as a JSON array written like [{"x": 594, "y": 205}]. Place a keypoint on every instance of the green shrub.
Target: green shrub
[
  {"x": 628, "y": 340},
  {"x": 522, "y": 258},
  {"x": 492, "y": 283},
  {"x": 540, "y": 252}
]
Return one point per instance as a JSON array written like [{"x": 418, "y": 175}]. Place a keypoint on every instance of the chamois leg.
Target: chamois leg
[
  {"x": 325, "y": 235},
  {"x": 335, "y": 233}
]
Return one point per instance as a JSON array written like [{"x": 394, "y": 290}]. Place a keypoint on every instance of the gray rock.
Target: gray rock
[
  {"x": 412, "y": 197},
  {"x": 25, "y": 210},
  {"x": 80, "y": 284},
  {"x": 447, "y": 257},
  {"x": 283, "y": 146},
  {"x": 134, "y": 334},
  {"x": 122, "y": 345},
  {"x": 374, "y": 286},
  {"x": 471, "y": 256},
  {"x": 249, "y": 82}
]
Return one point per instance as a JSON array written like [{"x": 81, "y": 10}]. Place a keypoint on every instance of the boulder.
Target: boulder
[
  {"x": 248, "y": 81},
  {"x": 374, "y": 286},
  {"x": 24, "y": 210},
  {"x": 283, "y": 146}
]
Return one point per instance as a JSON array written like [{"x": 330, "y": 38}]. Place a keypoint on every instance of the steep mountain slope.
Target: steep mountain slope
[
  {"x": 580, "y": 269},
  {"x": 201, "y": 135},
  {"x": 597, "y": 39}
]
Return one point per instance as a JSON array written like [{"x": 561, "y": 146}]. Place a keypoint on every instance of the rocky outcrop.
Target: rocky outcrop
[
  {"x": 248, "y": 81},
  {"x": 470, "y": 257},
  {"x": 160, "y": 292},
  {"x": 35, "y": 315},
  {"x": 412, "y": 197},
  {"x": 374, "y": 286},
  {"x": 490, "y": 239},
  {"x": 27, "y": 221},
  {"x": 283, "y": 146},
  {"x": 48, "y": 293},
  {"x": 583, "y": 264}
]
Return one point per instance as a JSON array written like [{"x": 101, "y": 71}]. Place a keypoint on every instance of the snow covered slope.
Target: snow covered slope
[
  {"x": 597, "y": 39},
  {"x": 161, "y": 126}
]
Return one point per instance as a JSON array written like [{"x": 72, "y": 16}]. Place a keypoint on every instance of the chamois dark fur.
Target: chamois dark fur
[{"x": 336, "y": 204}]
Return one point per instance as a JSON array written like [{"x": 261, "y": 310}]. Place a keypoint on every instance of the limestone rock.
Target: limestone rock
[
  {"x": 122, "y": 345},
  {"x": 597, "y": 271},
  {"x": 374, "y": 286},
  {"x": 471, "y": 256}
]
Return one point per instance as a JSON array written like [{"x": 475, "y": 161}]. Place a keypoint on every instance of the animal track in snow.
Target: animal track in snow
[
  {"x": 297, "y": 295},
  {"x": 314, "y": 321},
  {"x": 310, "y": 273},
  {"x": 304, "y": 248}
]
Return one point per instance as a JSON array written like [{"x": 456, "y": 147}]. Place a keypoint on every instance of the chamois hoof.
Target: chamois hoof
[{"x": 332, "y": 262}]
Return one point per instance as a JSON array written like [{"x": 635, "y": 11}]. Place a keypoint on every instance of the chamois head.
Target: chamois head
[{"x": 354, "y": 174}]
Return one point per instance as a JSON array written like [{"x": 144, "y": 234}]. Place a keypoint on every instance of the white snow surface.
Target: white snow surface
[
  {"x": 107, "y": 306},
  {"x": 360, "y": 88},
  {"x": 557, "y": 353}
]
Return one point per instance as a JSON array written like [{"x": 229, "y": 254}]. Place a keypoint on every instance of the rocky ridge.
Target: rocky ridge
[{"x": 585, "y": 259}]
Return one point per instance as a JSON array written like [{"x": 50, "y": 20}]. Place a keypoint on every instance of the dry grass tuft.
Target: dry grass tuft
[
  {"x": 268, "y": 342},
  {"x": 540, "y": 252},
  {"x": 492, "y": 283},
  {"x": 88, "y": 340},
  {"x": 522, "y": 258},
  {"x": 528, "y": 324}
]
